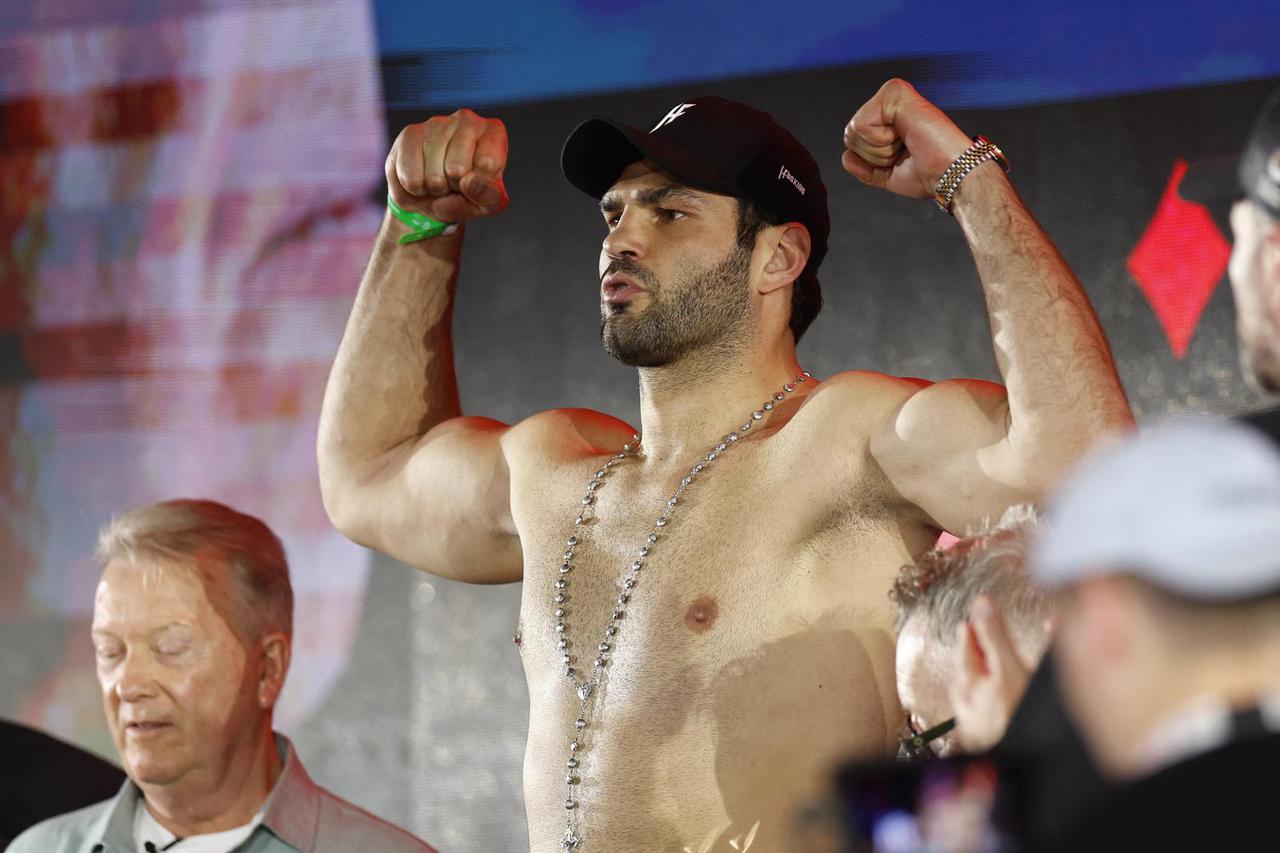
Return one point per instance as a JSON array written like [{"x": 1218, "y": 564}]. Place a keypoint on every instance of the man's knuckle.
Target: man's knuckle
[
  {"x": 408, "y": 136},
  {"x": 466, "y": 121}
]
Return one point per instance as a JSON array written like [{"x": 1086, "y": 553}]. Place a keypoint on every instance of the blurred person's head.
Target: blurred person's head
[
  {"x": 970, "y": 629},
  {"x": 192, "y": 629},
  {"x": 1163, "y": 552},
  {"x": 1255, "y": 255}
]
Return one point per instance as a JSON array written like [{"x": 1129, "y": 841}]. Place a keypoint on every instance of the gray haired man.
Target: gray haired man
[
  {"x": 192, "y": 630},
  {"x": 971, "y": 628}
]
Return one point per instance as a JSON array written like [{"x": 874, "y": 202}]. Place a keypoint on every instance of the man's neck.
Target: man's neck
[
  {"x": 200, "y": 805},
  {"x": 686, "y": 407}
]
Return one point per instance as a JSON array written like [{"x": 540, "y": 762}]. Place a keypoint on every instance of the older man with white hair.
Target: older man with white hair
[
  {"x": 1164, "y": 554},
  {"x": 971, "y": 629},
  {"x": 972, "y": 672},
  {"x": 192, "y": 628}
]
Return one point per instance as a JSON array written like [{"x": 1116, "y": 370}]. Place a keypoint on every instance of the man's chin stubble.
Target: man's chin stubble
[{"x": 612, "y": 343}]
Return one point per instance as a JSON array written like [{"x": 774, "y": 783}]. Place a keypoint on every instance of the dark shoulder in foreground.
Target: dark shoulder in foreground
[
  {"x": 33, "y": 776},
  {"x": 72, "y": 832},
  {"x": 1223, "y": 799},
  {"x": 1266, "y": 422}
]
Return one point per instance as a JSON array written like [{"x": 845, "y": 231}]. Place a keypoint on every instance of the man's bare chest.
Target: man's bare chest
[
  {"x": 748, "y": 550},
  {"x": 744, "y": 619}
]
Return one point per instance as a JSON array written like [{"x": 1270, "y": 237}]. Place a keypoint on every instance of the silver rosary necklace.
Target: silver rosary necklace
[{"x": 588, "y": 687}]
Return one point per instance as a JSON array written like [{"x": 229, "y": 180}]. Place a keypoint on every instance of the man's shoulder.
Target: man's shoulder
[
  {"x": 573, "y": 430},
  {"x": 65, "y": 833},
  {"x": 871, "y": 382},
  {"x": 342, "y": 825},
  {"x": 883, "y": 392}
]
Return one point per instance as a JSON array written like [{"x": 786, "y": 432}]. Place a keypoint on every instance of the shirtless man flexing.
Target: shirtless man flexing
[{"x": 696, "y": 663}]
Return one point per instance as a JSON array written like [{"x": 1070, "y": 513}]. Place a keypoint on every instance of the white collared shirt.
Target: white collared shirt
[{"x": 147, "y": 829}]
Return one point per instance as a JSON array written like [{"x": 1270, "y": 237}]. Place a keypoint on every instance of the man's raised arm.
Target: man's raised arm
[
  {"x": 400, "y": 470},
  {"x": 964, "y": 450}
]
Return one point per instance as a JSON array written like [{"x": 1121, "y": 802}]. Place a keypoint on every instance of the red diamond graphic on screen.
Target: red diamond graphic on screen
[{"x": 1178, "y": 262}]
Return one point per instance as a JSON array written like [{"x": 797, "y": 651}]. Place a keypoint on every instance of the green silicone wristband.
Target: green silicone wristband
[{"x": 421, "y": 226}]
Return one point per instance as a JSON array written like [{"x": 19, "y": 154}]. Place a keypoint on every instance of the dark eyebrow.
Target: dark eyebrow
[{"x": 653, "y": 196}]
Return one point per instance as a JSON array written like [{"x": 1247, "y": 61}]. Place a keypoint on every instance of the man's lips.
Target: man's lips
[
  {"x": 617, "y": 288},
  {"x": 144, "y": 728}
]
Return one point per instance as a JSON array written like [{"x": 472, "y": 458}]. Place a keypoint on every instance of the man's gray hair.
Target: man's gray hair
[
  {"x": 943, "y": 583},
  {"x": 219, "y": 542}
]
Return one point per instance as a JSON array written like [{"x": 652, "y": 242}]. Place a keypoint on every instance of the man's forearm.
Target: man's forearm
[
  {"x": 1057, "y": 366},
  {"x": 393, "y": 377}
]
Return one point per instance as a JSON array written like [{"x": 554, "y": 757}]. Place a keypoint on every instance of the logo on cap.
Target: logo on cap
[
  {"x": 795, "y": 182},
  {"x": 675, "y": 113}
]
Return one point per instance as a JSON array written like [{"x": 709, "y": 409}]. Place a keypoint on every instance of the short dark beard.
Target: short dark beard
[{"x": 709, "y": 308}]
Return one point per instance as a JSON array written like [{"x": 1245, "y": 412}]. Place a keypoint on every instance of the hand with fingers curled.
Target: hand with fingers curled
[
  {"x": 901, "y": 142},
  {"x": 450, "y": 167}
]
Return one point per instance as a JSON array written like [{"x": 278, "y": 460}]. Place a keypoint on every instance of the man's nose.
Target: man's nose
[
  {"x": 627, "y": 239},
  {"x": 136, "y": 677}
]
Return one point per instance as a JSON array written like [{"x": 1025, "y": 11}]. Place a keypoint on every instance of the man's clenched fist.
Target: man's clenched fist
[
  {"x": 450, "y": 167},
  {"x": 900, "y": 141}
]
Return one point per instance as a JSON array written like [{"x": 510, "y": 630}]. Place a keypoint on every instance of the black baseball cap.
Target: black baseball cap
[
  {"x": 713, "y": 144},
  {"x": 1260, "y": 163}
]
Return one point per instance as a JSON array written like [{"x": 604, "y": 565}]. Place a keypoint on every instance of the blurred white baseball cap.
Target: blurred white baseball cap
[{"x": 1193, "y": 508}]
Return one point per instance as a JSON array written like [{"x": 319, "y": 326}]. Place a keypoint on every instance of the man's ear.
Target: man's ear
[
  {"x": 991, "y": 677},
  {"x": 991, "y": 634},
  {"x": 791, "y": 247},
  {"x": 974, "y": 664},
  {"x": 276, "y": 650}
]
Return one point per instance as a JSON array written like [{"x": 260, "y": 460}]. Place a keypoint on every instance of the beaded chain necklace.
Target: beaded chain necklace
[{"x": 588, "y": 687}]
